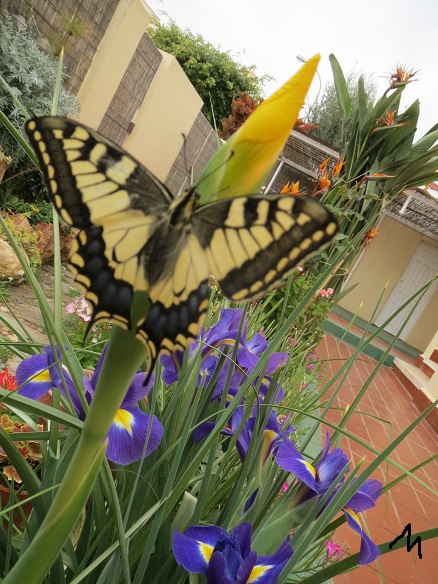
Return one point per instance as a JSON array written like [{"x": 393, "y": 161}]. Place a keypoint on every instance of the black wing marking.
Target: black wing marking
[
  {"x": 251, "y": 242},
  {"x": 89, "y": 178}
]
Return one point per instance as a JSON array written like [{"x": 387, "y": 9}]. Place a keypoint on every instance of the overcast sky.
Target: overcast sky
[{"x": 371, "y": 36}]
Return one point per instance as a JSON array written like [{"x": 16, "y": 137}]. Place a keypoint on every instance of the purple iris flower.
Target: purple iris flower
[
  {"x": 272, "y": 434},
  {"x": 365, "y": 498},
  {"x": 226, "y": 558},
  {"x": 126, "y": 438},
  {"x": 316, "y": 480}
]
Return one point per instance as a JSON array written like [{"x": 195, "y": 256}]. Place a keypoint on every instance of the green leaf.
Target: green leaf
[{"x": 341, "y": 88}]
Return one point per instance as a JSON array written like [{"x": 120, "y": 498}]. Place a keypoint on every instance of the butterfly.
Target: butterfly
[{"x": 135, "y": 236}]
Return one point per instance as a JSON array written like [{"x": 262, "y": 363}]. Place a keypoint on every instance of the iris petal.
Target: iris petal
[
  {"x": 290, "y": 459},
  {"x": 369, "y": 551},
  {"x": 35, "y": 367},
  {"x": 330, "y": 467},
  {"x": 137, "y": 390},
  {"x": 127, "y": 435},
  {"x": 193, "y": 549}
]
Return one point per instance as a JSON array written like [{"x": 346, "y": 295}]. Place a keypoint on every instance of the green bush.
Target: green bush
[
  {"x": 32, "y": 74},
  {"x": 40, "y": 212}
]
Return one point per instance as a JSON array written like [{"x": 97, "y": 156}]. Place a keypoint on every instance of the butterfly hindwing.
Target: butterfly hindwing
[
  {"x": 114, "y": 200},
  {"x": 135, "y": 237}
]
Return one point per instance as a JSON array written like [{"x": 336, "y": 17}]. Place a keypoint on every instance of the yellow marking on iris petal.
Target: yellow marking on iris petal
[
  {"x": 309, "y": 467},
  {"x": 121, "y": 170},
  {"x": 258, "y": 571},
  {"x": 353, "y": 515},
  {"x": 303, "y": 218},
  {"x": 42, "y": 376},
  {"x": 123, "y": 419},
  {"x": 284, "y": 220},
  {"x": 206, "y": 550}
]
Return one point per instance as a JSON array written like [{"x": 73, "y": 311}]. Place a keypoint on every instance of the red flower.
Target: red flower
[{"x": 7, "y": 381}]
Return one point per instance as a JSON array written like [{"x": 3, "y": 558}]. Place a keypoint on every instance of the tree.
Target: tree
[
  {"x": 325, "y": 111},
  {"x": 214, "y": 74},
  {"x": 242, "y": 108}
]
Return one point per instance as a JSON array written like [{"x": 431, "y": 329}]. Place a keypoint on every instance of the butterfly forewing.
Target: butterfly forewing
[
  {"x": 89, "y": 178},
  {"x": 251, "y": 242},
  {"x": 136, "y": 238}
]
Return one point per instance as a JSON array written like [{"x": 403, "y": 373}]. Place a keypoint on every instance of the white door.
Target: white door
[{"x": 420, "y": 270}]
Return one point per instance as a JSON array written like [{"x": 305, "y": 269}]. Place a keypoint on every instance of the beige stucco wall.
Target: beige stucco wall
[
  {"x": 168, "y": 112},
  {"x": 171, "y": 104},
  {"x": 386, "y": 259},
  {"x": 112, "y": 58}
]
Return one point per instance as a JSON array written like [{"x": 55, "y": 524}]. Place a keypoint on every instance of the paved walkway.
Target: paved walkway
[{"x": 408, "y": 501}]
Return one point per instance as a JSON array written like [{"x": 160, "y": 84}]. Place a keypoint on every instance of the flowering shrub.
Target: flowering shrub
[
  {"x": 76, "y": 325},
  {"x": 282, "y": 301}
]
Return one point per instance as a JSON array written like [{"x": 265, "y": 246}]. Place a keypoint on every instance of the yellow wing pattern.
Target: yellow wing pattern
[{"x": 136, "y": 237}]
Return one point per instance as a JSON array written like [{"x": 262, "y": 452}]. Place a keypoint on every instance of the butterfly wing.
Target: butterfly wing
[
  {"x": 99, "y": 188},
  {"x": 251, "y": 242},
  {"x": 178, "y": 291}
]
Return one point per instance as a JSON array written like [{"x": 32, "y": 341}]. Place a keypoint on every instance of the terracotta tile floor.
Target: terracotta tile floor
[{"x": 407, "y": 502}]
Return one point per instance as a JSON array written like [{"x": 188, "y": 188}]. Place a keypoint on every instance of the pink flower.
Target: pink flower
[
  {"x": 333, "y": 548},
  {"x": 330, "y": 291},
  {"x": 300, "y": 269},
  {"x": 284, "y": 487},
  {"x": 324, "y": 293},
  {"x": 70, "y": 308}
]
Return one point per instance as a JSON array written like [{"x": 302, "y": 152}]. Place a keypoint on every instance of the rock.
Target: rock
[
  {"x": 45, "y": 240},
  {"x": 20, "y": 221},
  {"x": 10, "y": 267},
  {"x": 66, "y": 239}
]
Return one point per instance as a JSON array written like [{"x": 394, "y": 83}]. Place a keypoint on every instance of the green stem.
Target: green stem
[{"x": 123, "y": 357}]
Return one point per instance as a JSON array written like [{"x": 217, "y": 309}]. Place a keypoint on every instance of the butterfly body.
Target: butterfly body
[{"x": 136, "y": 237}]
